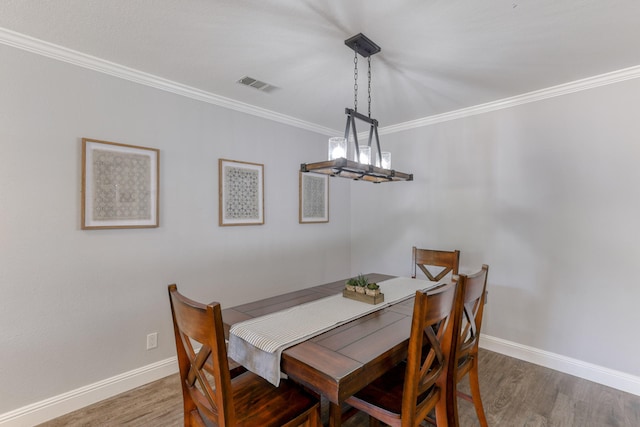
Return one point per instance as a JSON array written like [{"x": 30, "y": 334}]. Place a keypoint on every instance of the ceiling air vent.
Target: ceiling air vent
[{"x": 257, "y": 84}]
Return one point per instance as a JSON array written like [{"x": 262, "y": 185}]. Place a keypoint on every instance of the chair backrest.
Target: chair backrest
[
  {"x": 204, "y": 374},
  {"x": 431, "y": 346},
  {"x": 474, "y": 289},
  {"x": 448, "y": 260}
]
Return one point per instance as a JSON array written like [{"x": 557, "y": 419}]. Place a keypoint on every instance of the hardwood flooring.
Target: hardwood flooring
[{"x": 515, "y": 393}]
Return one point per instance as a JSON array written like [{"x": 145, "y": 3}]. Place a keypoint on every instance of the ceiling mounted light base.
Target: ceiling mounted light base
[{"x": 365, "y": 47}]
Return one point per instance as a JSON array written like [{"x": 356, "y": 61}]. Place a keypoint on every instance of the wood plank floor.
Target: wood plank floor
[{"x": 515, "y": 393}]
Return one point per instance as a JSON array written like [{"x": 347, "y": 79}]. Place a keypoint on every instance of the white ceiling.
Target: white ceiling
[{"x": 437, "y": 55}]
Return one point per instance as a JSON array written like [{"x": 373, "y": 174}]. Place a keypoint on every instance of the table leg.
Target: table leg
[{"x": 335, "y": 415}]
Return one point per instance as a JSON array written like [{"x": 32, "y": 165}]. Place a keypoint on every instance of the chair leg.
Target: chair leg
[
  {"x": 194, "y": 419},
  {"x": 442, "y": 418},
  {"x": 373, "y": 422},
  {"x": 475, "y": 393}
]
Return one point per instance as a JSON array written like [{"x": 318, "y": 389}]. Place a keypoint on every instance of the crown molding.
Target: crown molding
[
  {"x": 50, "y": 50},
  {"x": 538, "y": 95}
]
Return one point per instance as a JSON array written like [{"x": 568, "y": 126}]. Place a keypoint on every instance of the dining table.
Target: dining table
[{"x": 340, "y": 361}]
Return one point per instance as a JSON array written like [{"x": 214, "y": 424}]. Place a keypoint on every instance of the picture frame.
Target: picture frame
[
  {"x": 314, "y": 198},
  {"x": 120, "y": 185},
  {"x": 240, "y": 193}
]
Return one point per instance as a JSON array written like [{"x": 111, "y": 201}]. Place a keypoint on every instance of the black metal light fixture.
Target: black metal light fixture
[{"x": 362, "y": 167}]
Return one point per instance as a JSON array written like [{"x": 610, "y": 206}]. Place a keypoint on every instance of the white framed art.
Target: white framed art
[
  {"x": 120, "y": 185},
  {"x": 240, "y": 193},
  {"x": 314, "y": 198}
]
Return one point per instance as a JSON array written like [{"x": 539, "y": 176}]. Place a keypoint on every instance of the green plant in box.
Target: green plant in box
[
  {"x": 373, "y": 289},
  {"x": 361, "y": 283},
  {"x": 350, "y": 284}
]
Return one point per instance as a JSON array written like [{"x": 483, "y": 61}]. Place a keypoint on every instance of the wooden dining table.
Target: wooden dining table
[{"x": 339, "y": 362}]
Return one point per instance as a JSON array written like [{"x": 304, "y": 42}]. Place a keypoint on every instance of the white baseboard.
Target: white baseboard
[
  {"x": 588, "y": 371},
  {"x": 73, "y": 400},
  {"x": 56, "y": 406}
]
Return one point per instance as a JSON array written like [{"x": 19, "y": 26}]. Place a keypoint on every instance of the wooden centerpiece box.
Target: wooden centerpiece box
[{"x": 359, "y": 289}]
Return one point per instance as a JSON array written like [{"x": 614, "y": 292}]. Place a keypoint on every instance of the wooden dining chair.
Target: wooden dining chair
[
  {"x": 406, "y": 394},
  {"x": 447, "y": 260},
  {"x": 209, "y": 393},
  {"x": 469, "y": 321}
]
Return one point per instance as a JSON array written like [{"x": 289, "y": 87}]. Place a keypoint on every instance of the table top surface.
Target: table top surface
[{"x": 343, "y": 360}]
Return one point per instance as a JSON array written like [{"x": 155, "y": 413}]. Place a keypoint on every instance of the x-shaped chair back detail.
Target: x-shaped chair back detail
[
  {"x": 473, "y": 309},
  {"x": 211, "y": 394},
  {"x": 448, "y": 260},
  {"x": 468, "y": 325},
  {"x": 431, "y": 345},
  {"x": 204, "y": 374}
]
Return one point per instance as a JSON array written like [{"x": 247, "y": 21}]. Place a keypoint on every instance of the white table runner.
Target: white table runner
[{"x": 258, "y": 343}]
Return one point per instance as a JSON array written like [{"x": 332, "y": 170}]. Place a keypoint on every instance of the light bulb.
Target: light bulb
[
  {"x": 386, "y": 160},
  {"x": 365, "y": 155},
  {"x": 337, "y": 148}
]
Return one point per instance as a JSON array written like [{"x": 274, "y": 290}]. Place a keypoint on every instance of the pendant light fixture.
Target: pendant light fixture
[{"x": 366, "y": 165}]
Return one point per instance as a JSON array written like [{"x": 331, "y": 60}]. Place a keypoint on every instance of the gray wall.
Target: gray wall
[
  {"x": 76, "y": 306},
  {"x": 545, "y": 193}
]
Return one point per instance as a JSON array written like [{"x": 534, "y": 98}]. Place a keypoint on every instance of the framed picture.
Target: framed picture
[
  {"x": 240, "y": 193},
  {"x": 120, "y": 185},
  {"x": 314, "y": 198}
]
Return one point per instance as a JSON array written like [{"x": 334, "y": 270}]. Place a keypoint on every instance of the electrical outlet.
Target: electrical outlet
[{"x": 152, "y": 340}]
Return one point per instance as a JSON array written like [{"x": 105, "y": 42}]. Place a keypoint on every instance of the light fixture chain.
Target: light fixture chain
[
  {"x": 355, "y": 78},
  {"x": 369, "y": 77}
]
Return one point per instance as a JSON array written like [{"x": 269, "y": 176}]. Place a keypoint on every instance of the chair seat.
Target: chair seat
[
  {"x": 385, "y": 393},
  {"x": 259, "y": 403}
]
